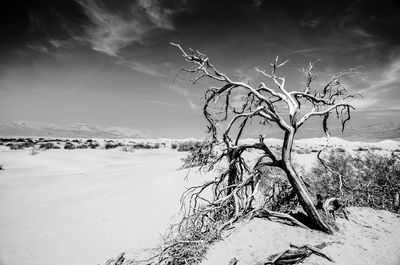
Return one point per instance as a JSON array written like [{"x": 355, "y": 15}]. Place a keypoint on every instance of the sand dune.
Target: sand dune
[{"x": 85, "y": 206}]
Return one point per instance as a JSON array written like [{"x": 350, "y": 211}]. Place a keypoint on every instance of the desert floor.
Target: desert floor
[{"x": 86, "y": 206}]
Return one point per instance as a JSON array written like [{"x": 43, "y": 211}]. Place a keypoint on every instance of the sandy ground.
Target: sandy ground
[
  {"x": 85, "y": 206},
  {"x": 370, "y": 237}
]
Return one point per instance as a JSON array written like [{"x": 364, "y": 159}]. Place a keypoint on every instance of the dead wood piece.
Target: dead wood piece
[
  {"x": 108, "y": 262},
  {"x": 296, "y": 255},
  {"x": 333, "y": 206},
  {"x": 233, "y": 261},
  {"x": 315, "y": 250},
  {"x": 119, "y": 260}
]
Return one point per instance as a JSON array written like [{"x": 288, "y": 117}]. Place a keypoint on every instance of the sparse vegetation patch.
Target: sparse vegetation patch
[{"x": 369, "y": 179}]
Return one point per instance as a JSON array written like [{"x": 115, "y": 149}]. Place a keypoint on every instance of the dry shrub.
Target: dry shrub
[
  {"x": 376, "y": 148},
  {"x": 340, "y": 150},
  {"x": 189, "y": 146},
  {"x": 360, "y": 149},
  {"x": 69, "y": 146},
  {"x": 370, "y": 179},
  {"x": 110, "y": 145},
  {"x": 46, "y": 146},
  {"x": 128, "y": 148},
  {"x": 302, "y": 151},
  {"x": 200, "y": 154},
  {"x": 188, "y": 242},
  {"x": 94, "y": 145},
  {"x": 276, "y": 190},
  {"x": 145, "y": 146},
  {"x": 174, "y": 145},
  {"x": 20, "y": 145}
]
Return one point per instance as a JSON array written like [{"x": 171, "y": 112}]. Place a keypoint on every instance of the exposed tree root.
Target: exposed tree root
[{"x": 277, "y": 216}]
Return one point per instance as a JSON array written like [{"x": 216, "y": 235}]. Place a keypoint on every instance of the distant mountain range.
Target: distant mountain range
[
  {"x": 371, "y": 132},
  {"x": 375, "y": 131},
  {"x": 76, "y": 130}
]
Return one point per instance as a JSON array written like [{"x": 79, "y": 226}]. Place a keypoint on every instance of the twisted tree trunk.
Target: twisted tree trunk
[{"x": 298, "y": 185}]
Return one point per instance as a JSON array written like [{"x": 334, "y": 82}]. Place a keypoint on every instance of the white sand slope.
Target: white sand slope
[
  {"x": 370, "y": 237},
  {"x": 85, "y": 206}
]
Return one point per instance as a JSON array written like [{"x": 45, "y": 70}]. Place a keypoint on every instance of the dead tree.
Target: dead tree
[{"x": 269, "y": 103}]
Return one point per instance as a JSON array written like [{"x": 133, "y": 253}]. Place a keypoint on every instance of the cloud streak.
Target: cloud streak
[
  {"x": 111, "y": 31},
  {"x": 382, "y": 88}
]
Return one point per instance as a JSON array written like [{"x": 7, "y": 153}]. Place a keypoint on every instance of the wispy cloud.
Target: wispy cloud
[
  {"x": 192, "y": 105},
  {"x": 184, "y": 92},
  {"x": 306, "y": 50},
  {"x": 145, "y": 68},
  {"x": 166, "y": 103},
  {"x": 180, "y": 90},
  {"x": 111, "y": 31},
  {"x": 311, "y": 23},
  {"x": 382, "y": 88}
]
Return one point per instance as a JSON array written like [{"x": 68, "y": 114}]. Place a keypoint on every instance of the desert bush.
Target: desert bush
[
  {"x": 370, "y": 179},
  {"x": 94, "y": 145},
  {"x": 128, "y": 148},
  {"x": 199, "y": 155},
  {"x": 146, "y": 146},
  {"x": 1, "y": 167},
  {"x": 110, "y": 145},
  {"x": 376, "y": 148},
  {"x": 82, "y": 146},
  {"x": 187, "y": 242},
  {"x": 20, "y": 145},
  {"x": 303, "y": 151},
  {"x": 277, "y": 193},
  {"x": 8, "y": 140},
  {"x": 360, "y": 149},
  {"x": 189, "y": 146},
  {"x": 174, "y": 145},
  {"x": 46, "y": 146},
  {"x": 69, "y": 146},
  {"x": 340, "y": 150}
]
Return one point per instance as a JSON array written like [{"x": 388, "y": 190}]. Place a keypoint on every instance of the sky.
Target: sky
[{"x": 111, "y": 63}]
